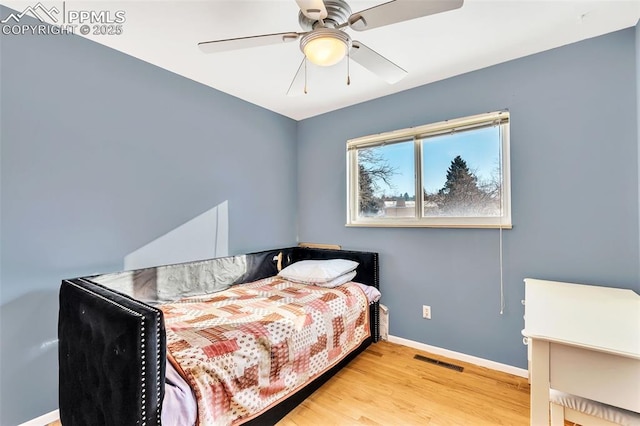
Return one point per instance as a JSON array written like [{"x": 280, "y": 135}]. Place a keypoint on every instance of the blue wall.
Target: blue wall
[
  {"x": 574, "y": 167},
  {"x": 638, "y": 101},
  {"x": 102, "y": 153}
]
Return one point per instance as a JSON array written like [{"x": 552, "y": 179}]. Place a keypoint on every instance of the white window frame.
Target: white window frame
[{"x": 417, "y": 134}]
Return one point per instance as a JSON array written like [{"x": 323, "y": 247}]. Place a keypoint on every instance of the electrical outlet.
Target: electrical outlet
[{"x": 426, "y": 311}]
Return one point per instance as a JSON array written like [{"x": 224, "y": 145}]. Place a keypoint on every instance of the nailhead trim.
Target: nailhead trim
[
  {"x": 143, "y": 386},
  {"x": 158, "y": 365}
]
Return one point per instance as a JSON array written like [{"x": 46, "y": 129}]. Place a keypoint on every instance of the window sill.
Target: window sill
[{"x": 413, "y": 224}]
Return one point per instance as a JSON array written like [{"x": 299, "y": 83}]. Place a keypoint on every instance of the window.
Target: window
[{"x": 449, "y": 174}]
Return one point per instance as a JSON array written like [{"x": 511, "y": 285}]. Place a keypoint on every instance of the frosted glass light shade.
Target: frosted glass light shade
[
  {"x": 325, "y": 51},
  {"x": 326, "y": 46}
]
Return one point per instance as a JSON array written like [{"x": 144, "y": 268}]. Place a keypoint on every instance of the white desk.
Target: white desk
[{"x": 585, "y": 340}]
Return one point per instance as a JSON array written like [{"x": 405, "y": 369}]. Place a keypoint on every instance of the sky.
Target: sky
[{"x": 479, "y": 148}]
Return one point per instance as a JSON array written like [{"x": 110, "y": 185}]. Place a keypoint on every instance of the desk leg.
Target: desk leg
[{"x": 539, "y": 382}]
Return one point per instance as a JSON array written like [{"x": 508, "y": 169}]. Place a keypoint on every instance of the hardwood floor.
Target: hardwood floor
[{"x": 385, "y": 385}]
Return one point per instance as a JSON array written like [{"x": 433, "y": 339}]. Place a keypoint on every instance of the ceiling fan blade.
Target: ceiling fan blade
[
  {"x": 398, "y": 11},
  {"x": 376, "y": 63},
  {"x": 246, "y": 42},
  {"x": 298, "y": 85},
  {"x": 313, "y": 9}
]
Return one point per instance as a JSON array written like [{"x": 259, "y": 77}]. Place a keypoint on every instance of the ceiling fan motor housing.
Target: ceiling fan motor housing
[{"x": 338, "y": 12}]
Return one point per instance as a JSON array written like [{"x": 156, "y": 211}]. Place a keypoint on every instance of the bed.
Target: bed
[{"x": 128, "y": 341}]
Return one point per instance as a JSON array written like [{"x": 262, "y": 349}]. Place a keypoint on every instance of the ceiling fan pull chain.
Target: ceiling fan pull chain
[
  {"x": 305, "y": 75},
  {"x": 348, "y": 69}
]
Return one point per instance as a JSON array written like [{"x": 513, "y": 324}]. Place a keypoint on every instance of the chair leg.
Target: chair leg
[{"x": 557, "y": 415}]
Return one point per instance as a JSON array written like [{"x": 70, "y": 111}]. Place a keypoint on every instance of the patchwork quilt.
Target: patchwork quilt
[{"x": 245, "y": 349}]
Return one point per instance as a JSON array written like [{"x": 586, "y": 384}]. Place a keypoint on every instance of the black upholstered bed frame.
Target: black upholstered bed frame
[{"x": 112, "y": 347}]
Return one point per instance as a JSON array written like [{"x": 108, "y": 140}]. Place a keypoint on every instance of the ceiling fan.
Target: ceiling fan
[{"x": 325, "y": 42}]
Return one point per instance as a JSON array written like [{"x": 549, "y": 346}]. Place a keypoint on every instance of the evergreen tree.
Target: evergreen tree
[
  {"x": 461, "y": 193},
  {"x": 460, "y": 180}
]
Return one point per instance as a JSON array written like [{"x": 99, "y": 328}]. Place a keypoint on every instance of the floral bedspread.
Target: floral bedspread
[{"x": 246, "y": 348}]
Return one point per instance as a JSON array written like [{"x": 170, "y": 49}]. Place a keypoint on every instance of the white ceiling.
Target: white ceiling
[{"x": 480, "y": 34}]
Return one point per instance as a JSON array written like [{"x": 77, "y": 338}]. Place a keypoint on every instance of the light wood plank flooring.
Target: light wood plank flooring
[{"x": 385, "y": 385}]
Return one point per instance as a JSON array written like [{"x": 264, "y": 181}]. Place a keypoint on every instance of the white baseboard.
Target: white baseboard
[
  {"x": 461, "y": 357},
  {"x": 43, "y": 420}
]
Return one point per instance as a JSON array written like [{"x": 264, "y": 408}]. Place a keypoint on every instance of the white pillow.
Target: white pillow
[
  {"x": 337, "y": 281},
  {"x": 317, "y": 271}
]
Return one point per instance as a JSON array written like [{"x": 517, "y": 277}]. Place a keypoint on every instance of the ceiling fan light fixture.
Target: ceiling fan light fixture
[{"x": 325, "y": 46}]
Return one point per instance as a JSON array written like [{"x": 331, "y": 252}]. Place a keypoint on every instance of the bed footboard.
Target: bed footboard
[{"x": 111, "y": 357}]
